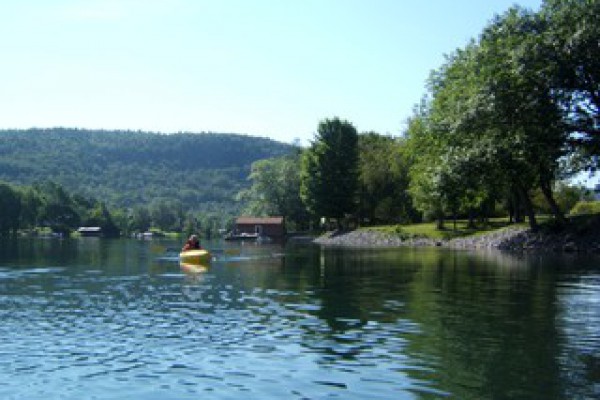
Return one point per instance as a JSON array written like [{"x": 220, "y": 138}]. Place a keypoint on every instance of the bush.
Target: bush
[{"x": 586, "y": 208}]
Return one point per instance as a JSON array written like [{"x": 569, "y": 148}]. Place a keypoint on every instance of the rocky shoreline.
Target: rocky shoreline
[{"x": 511, "y": 239}]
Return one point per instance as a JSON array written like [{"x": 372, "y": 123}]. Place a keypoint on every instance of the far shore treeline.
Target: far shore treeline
[
  {"x": 504, "y": 125},
  {"x": 142, "y": 180}
]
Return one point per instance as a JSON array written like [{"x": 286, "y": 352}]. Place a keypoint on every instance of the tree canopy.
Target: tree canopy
[
  {"x": 126, "y": 169},
  {"x": 383, "y": 179},
  {"x": 275, "y": 190},
  {"x": 569, "y": 48},
  {"x": 329, "y": 179},
  {"x": 504, "y": 112}
]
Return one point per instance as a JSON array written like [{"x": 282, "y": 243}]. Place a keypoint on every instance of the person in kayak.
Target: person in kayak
[{"x": 193, "y": 243}]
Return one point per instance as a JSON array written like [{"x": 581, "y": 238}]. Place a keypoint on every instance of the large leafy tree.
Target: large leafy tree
[
  {"x": 275, "y": 190},
  {"x": 100, "y": 216},
  {"x": 166, "y": 214},
  {"x": 492, "y": 121},
  {"x": 570, "y": 48},
  {"x": 451, "y": 170},
  {"x": 31, "y": 204},
  {"x": 10, "y": 209},
  {"x": 329, "y": 175},
  {"x": 383, "y": 179},
  {"x": 59, "y": 211},
  {"x": 425, "y": 148},
  {"x": 522, "y": 114},
  {"x": 140, "y": 219}
]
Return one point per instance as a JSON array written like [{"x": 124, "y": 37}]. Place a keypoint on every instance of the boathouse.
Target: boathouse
[{"x": 273, "y": 227}]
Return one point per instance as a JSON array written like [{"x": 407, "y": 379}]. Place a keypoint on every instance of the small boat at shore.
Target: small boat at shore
[
  {"x": 195, "y": 257},
  {"x": 242, "y": 236}
]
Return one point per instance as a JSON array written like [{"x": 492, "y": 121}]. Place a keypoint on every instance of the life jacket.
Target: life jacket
[{"x": 189, "y": 245}]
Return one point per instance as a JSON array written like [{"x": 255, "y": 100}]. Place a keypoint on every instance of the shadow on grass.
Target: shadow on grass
[
  {"x": 449, "y": 231},
  {"x": 462, "y": 228}
]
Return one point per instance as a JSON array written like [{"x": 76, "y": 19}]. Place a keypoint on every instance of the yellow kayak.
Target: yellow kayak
[{"x": 196, "y": 257}]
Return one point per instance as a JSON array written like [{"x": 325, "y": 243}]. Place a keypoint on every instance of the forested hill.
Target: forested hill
[{"x": 203, "y": 171}]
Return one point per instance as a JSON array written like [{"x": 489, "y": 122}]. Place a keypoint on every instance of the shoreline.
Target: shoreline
[{"x": 508, "y": 239}]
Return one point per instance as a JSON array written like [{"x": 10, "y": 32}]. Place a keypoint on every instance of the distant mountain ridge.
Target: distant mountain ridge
[{"x": 203, "y": 171}]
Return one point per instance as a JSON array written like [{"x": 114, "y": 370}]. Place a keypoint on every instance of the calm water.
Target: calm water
[{"x": 115, "y": 319}]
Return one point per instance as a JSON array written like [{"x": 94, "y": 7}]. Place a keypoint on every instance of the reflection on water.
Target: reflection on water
[{"x": 119, "y": 319}]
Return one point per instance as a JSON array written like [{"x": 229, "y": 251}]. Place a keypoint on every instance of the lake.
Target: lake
[{"x": 120, "y": 319}]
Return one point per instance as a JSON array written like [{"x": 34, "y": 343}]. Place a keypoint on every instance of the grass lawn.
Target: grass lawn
[{"x": 429, "y": 229}]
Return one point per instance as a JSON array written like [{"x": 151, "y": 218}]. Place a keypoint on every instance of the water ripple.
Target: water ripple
[{"x": 240, "y": 332}]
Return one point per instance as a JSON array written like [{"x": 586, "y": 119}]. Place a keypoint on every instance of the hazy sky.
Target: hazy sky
[{"x": 271, "y": 68}]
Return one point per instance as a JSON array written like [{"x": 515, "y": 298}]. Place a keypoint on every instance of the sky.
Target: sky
[{"x": 268, "y": 68}]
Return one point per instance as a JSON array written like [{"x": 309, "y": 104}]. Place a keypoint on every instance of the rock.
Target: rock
[{"x": 511, "y": 239}]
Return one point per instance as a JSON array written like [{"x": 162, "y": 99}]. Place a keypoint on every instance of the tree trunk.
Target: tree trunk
[
  {"x": 471, "y": 224},
  {"x": 547, "y": 191},
  {"x": 440, "y": 220},
  {"x": 524, "y": 197},
  {"x": 515, "y": 206},
  {"x": 440, "y": 223}
]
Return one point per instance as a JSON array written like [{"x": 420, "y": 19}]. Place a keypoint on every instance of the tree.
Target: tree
[
  {"x": 31, "y": 206},
  {"x": 58, "y": 211},
  {"x": 517, "y": 82},
  {"x": 121, "y": 219},
  {"x": 570, "y": 49},
  {"x": 10, "y": 209},
  {"x": 167, "y": 214},
  {"x": 101, "y": 217},
  {"x": 566, "y": 197},
  {"x": 140, "y": 219},
  {"x": 492, "y": 120},
  {"x": 275, "y": 190},
  {"x": 329, "y": 173},
  {"x": 190, "y": 225},
  {"x": 383, "y": 179}
]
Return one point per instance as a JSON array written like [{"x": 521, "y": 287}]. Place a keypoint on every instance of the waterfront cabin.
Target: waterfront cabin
[{"x": 257, "y": 227}]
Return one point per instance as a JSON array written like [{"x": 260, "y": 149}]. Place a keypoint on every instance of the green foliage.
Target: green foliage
[
  {"x": 422, "y": 141},
  {"x": 127, "y": 169},
  {"x": 208, "y": 225},
  {"x": 145, "y": 180},
  {"x": 10, "y": 209},
  {"x": 275, "y": 190},
  {"x": 586, "y": 208},
  {"x": 329, "y": 175},
  {"x": 50, "y": 205},
  {"x": 59, "y": 210},
  {"x": 383, "y": 180},
  {"x": 166, "y": 214},
  {"x": 566, "y": 197},
  {"x": 31, "y": 203},
  {"x": 98, "y": 215},
  {"x": 570, "y": 49},
  {"x": 492, "y": 126},
  {"x": 140, "y": 219}
]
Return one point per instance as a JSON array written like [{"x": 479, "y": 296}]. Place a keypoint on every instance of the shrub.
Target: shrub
[{"x": 586, "y": 208}]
